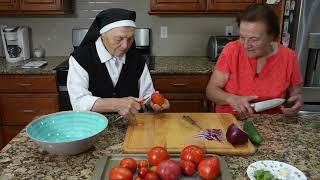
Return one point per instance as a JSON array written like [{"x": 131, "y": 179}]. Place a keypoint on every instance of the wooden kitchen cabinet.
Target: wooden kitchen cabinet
[
  {"x": 36, "y": 7},
  {"x": 22, "y": 98},
  {"x": 177, "y": 5},
  {"x": 199, "y": 6},
  {"x": 186, "y": 93},
  {"x": 9, "y": 5},
  {"x": 232, "y": 6}
]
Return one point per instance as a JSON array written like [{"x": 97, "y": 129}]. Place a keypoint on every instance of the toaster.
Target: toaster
[{"x": 216, "y": 44}]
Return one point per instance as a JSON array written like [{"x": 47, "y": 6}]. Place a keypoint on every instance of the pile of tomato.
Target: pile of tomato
[{"x": 159, "y": 166}]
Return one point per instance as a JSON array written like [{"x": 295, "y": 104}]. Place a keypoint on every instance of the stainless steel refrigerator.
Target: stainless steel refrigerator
[{"x": 306, "y": 41}]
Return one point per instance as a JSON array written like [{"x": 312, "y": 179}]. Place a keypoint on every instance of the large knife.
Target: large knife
[{"x": 268, "y": 104}]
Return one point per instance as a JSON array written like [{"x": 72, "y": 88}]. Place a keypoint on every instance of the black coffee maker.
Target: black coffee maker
[{"x": 143, "y": 45}]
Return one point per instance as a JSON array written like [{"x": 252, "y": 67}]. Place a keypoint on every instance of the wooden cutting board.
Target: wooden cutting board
[{"x": 171, "y": 131}]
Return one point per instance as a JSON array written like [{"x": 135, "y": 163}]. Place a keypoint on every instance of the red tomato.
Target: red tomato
[
  {"x": 142, "y": 172},
  {"x": 129, "y": 163},
  {"x": 156, "y": 155},
  {"x": 187, "y": 167},
  {"x": 192, "y": 153},
  {"x": 143, "y": 163},
  {"x": 157, "y": 98},
  {"x": 209, "y": 168},
  {"x": 152, "y": 176},
  {"x": 138, "y": 178},
  {"x": 120, "y": 173}
]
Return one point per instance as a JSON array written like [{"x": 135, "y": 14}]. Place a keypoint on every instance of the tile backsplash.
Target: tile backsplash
[{"x": 187, "y": 35}]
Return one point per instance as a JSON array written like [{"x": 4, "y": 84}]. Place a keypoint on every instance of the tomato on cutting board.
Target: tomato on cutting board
[
  {"x": 157, "y": 154},
  {"x": 209, "y": 168}
]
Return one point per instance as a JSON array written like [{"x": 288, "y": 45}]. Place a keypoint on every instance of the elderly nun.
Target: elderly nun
[{"x": 106, "y": 73}]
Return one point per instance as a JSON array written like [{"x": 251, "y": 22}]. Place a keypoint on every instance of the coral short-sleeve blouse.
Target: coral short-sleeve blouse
[{"x": 280, "y": 72}]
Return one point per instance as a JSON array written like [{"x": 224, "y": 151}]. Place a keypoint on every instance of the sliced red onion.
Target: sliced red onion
[{"x": 210, "y": 134}]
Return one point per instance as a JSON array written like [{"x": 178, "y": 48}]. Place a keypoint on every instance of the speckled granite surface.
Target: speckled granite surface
[
  {"x": 187, "y": 65},
  {"x": 293, "y": 140},
  {"x": 15, "y": 68},
  {"x": 163, "y": 65}
]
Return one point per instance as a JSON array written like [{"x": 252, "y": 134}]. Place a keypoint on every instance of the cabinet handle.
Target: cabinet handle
[
  {"x": 28, "y": 111},
  {"x": 25, "y": 84},
  {"x": 179, "y": 84}
]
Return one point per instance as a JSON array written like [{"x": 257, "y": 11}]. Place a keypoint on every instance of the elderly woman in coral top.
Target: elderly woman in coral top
[{"x": 255, "y": 67}]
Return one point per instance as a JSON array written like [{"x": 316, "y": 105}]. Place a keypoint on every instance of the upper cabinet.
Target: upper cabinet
[
  {"x": 9, "y": 5},
  {"x": 229, "y": 6},
  {"x": 36, "y": 7},
  {"x": 178, "y": 6},
  {"x": 199, "y": 6}
]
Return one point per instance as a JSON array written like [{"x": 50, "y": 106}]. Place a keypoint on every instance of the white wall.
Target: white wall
[{"x": 187, "y": 35}]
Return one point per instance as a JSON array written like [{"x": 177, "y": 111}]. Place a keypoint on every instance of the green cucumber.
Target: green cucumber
[{"x": 252, "y": 132}]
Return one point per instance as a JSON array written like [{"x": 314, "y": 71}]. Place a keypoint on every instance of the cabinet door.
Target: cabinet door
[
  {"x": 177, "y": 5},
  {"x": 9, "y": 132},
  {"x": 229, "y": 6},
  {"x": 187, "y": 102},
  {"x": 46, "y": 7},
  {"x": 9, "y": 5},
  {"x": 40, "y": 5},
  {"x": 20, "y": 109}
]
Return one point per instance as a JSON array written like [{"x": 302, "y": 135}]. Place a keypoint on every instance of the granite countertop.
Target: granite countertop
[
  {"x": 15, "y": 68},
  {"x": 163, "y": 65},
  {"x": 293, "y": 140},
  {"x": 182, "y": 65}
]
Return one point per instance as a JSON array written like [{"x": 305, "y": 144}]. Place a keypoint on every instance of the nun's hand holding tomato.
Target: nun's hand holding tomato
[{"x": 158, "y": 102}]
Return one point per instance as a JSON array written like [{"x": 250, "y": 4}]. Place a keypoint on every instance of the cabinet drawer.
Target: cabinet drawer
[
  {"x": 28, "y": 83},
  {"x": 180, "y": 84},
  {"x": 23, "y": 108}
]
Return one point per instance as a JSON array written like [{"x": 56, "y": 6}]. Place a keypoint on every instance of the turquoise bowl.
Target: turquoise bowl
[{"x": 67, "y": 132}]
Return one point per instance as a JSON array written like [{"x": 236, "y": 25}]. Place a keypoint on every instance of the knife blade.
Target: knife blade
[
  {"x": 268, "y": 104},
  {"x": 191, "y": 121}
]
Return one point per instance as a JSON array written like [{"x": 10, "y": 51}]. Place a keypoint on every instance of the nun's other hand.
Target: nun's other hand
[
  {"x": 127, "y": 107},
  {"x": 157, "y": 108}
]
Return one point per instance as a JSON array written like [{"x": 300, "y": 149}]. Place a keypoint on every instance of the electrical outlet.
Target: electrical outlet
[
  {"x": 229, "y": 30},
  {"x": 163, "y": 31}
]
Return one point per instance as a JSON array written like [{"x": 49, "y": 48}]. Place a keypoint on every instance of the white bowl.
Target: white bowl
[{"x": 68, "y": 132}]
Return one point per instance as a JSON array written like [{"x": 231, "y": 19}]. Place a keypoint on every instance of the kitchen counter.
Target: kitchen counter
[
  {"x": 15, "y": 68},
  {"x": 163, "y": 65},
  {"x": 293, "y": 140},
  {"x": 182, "y": 65}
]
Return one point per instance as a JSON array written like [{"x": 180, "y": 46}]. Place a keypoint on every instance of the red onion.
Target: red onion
[
  {"x": 169, "y": 170},
  {"x": 235, "y": 135}
]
